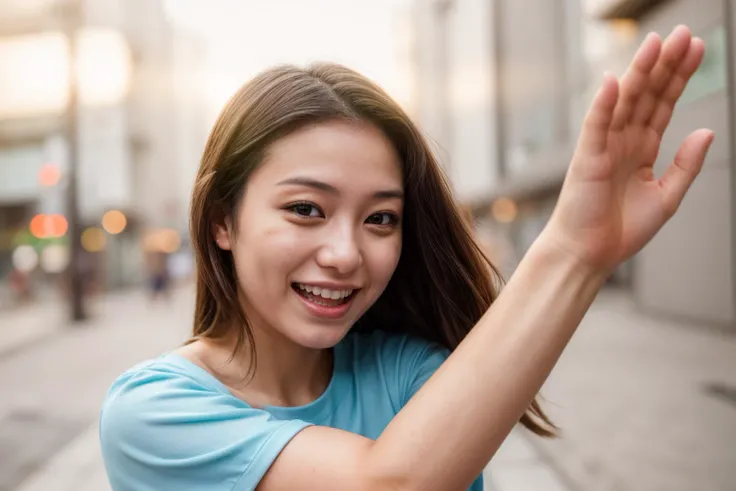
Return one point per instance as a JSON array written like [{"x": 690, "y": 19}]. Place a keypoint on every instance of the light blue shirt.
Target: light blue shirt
[{"x": 167, "y": 424}]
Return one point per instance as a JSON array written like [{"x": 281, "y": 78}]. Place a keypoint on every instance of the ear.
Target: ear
[{"x": 222, "y": 232}]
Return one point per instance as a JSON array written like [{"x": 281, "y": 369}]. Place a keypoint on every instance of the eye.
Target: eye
[
  {"x": 383, "y": 219},
  {"x": 305, "y": 210}
]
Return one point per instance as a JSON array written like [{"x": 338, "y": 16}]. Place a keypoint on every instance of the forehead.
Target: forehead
[{"x": 354, "y": 156}]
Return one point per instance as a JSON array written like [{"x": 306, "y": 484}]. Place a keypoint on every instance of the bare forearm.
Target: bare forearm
[{"x": 449, "y": 431}]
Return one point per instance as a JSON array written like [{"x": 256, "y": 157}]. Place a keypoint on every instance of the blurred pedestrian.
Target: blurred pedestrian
[
  {"x": 347, "y": 334},
  {"x": 159, "y": 277},
  {"x": 20, "y": 285}
]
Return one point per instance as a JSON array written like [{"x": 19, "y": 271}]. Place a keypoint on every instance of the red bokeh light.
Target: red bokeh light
[{"x": 49, "y": 175}]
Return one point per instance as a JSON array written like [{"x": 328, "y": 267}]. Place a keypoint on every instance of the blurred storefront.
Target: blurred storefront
[
  {"x": 516, "y": 77},
  {"x": 140, "y": 128}
]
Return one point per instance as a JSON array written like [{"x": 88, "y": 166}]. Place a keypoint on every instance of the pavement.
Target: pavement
[
  {"x": 53, "y": 384},
  {"x": 22, "y": 325},
  {"x": 635, "y": 397},
  {"x": 644, "y": 403}
]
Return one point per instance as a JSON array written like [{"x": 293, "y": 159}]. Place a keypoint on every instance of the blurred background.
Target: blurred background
[{"x": 105, "y": 106}]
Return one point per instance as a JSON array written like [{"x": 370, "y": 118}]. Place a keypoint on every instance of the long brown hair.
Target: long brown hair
[{"x": 443, "y": 282}]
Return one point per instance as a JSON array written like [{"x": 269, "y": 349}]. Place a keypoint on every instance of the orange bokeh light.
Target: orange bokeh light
[
  {"x": 48, "y": 226},
  {"x": 49, "y": 175},
  {"x": 58, "y": 225},
  {"x": 114, "y": 222},
  {"x": 38, "y": 226}
]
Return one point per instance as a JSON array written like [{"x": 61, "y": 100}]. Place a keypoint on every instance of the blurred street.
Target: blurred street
[
  {"x": 53, "y": 387},
  {"x": 105, "y": 107},
  {"x": 644, "y": 403},
  {"x": 637, "y": 400}
]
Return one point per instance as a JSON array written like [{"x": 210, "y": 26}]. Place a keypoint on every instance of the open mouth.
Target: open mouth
[{"x": 323, "y": 296}]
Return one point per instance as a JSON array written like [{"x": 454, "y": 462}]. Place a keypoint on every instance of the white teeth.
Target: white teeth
[{"x": 325, "y": 292}]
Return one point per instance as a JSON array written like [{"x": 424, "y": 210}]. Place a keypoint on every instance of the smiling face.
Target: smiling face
[{"x": 318, "y": 232}]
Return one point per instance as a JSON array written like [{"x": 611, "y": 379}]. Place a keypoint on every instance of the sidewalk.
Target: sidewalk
[
  {"x": 22, "y": 325},
  {"x": 51, "y": 391},
  {"x": 518, "y": 466},
  {"x": 632, "y": 397}
]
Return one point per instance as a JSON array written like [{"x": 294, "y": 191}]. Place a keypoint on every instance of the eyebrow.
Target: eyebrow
[{"x": 328, "y": 188}]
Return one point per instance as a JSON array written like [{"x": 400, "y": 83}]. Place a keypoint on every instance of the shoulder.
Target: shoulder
[
  {"x": 157, "y": 388},
  {"x": 164, "y": 398},
  {"x": 164, "y": 423}
]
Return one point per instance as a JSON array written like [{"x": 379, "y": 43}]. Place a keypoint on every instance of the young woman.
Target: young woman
[{"x": 347, "y": 333}]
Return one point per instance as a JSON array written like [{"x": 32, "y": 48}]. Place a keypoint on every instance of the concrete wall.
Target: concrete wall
[
  {"x": 430, "y": 72},
  {"x": 454, "y": 90},
  {"x": 687, "y": 270},
  {"x": 472, "y": 120},
  {"x": 152, "y": 115},
  {"x": 534, "y": 78}
]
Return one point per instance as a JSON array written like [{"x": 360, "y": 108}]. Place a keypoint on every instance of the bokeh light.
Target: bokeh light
[
  {"x": 44, "y": 226},
  {"x": 164, "y": 240},
  {"x": 94, "y": 239},
  {"x": 114, "y": 222},
  {"x": 58, "y": 225},
  {"x": 25, "y": 258},
  {"x": 49, "y": 175},
  {"x": 38, "y": 226},
  {"x": 504, "y": 210},
  {"x": 54, "y": 258}
]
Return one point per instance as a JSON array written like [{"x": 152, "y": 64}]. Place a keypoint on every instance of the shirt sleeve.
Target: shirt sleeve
[
  {"x": 161, "y": 430},
  {"x": 428, "y": 360},
  {"x": 410, "y": 361}
]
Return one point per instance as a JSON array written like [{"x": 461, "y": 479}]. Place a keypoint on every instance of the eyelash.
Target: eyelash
[
  {"x": 393, "y": 219},
  {"x": 293, "y": 207}
]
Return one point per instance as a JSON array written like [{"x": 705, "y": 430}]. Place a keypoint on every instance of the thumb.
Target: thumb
[{"x": 682, "y": 171}]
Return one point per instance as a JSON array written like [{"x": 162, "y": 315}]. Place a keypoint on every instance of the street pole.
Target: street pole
[{"x": 78, "y": 312}]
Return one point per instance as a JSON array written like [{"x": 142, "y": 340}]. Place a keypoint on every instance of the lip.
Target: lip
[{"x": 335, "y": 312}]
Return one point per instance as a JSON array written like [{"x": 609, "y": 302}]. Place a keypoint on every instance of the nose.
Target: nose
[{"x": 340, "y": 251}]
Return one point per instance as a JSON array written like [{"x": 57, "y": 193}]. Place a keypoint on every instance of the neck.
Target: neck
[{"x": 285, "y": 374}]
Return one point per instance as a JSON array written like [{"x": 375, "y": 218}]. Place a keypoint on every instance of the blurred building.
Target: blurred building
[
  {"x": 140, "y": 127},
  {"x": 502, "y": 87}
]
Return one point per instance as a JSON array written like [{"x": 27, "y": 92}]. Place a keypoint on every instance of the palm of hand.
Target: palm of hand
[{"x": 611, "y": 204}]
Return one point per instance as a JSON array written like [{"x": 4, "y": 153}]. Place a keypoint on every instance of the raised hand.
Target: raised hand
[{"x": 611, "y": 203}]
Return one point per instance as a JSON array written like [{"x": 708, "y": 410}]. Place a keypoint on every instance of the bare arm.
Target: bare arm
[{"x": 609, "y": 208}]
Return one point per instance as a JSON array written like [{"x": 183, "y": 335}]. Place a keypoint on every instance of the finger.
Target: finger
[
  {"x": 666, "y": 103},
  {"x": 597, "y": 123},
  {"x": 636, "y": 79},
  {"x": 674, "y": 49},
  {"x": 682, "y": 171}
]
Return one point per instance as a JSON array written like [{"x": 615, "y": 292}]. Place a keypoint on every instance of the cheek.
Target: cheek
[
  {"x": 383, "y": 259},
  {"x": 265, "y": 253}
]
